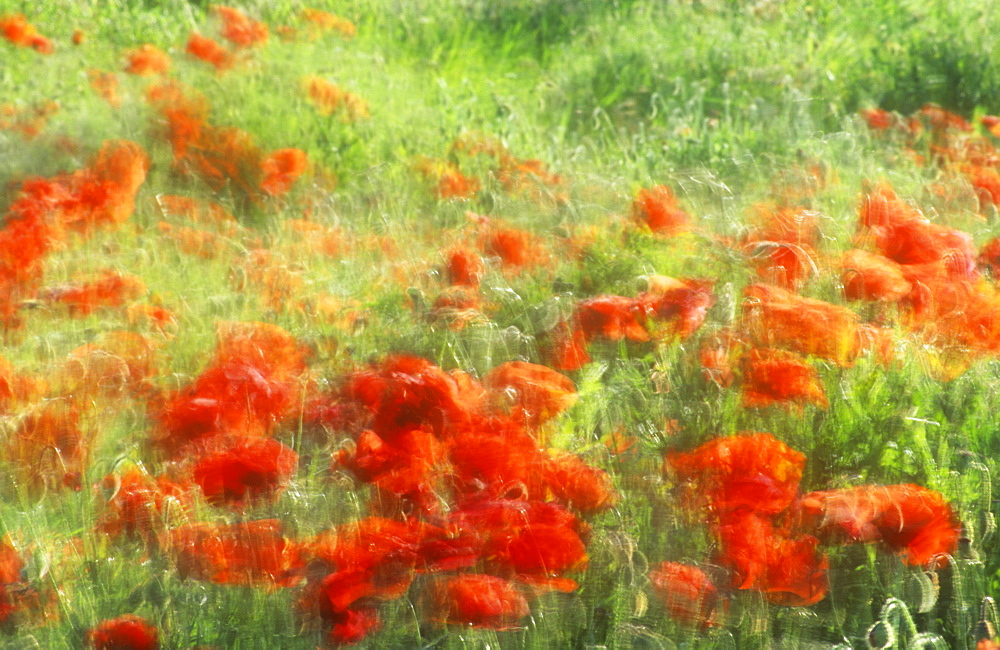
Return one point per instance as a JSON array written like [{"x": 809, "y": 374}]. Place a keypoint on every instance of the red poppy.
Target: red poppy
[
  {"x": 147, "y": 60},
  {"x": 779, "y": 377},
  {"x": 463, "y": 267},
  {"x": 530, "y": 393},
  {"x": 247, "y": 471},
  {"x": 477, "y": 600},
  {"x": 281, "y": 169},
  {"x": 252, "y": 553},
  {"x": 583, "y": 487},
  {"x": 568, "y": 350},
  {"x": 941, "y": 119},
  {"x": 406, "y": 468},
  {"x": 209, "y": 51},
  {"x": 916, "y": 522},
  {"x": 16, "y": 29},
  {"x": 872, "y": 277},
  {"x": 406, "y": 392},
  {"x": 989, "y": 256},
  {"x": 789, "y": 571},
  {"x": 747, "y": 471},
  {"x": 128, "y": 632},
  {"x": 138, "y": 503},
  {"x": 878, "y": 119},
  {"x": 453, "y": 184},
  {"x": 687, "y": 593},
  {"x": 497, "y": 461},
  {"x": 612, "y": 317},
  {"x": 775, "y": 317},
  {"x": 681, "y": 304},
  {"x": 657, "y": 208},
  {"x": 904, "y": 235},
  {"x": 111, "y": 289},
  {"x": 239, "y": 29},
  {"x": 517, "y": 249},
  {"x": 352, "y": 625}
]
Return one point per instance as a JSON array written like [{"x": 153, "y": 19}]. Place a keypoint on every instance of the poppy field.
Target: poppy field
[{"x": 541, "y": 324}]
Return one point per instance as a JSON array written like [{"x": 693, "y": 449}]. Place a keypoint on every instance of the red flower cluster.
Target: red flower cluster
[{"x": 769, "y": 535}]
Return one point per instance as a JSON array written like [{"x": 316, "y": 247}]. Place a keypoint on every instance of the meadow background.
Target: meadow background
[{"x": 732, "y": 104}]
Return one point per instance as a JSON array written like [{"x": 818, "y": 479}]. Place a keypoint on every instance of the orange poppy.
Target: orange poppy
[
  {"x": 530, "y": 393},
  {"x": 240, "y": 29},
  {"x": 128, "y": 632},
  {"x": 16, "y": 29},
  {"x": 478, "y": 600},
  {"x": 779, "y": 377},
  {"x": 246, "y": 471},
  {"x": 251, "y": 553},
  {"x": 79, "y": 37},
  {"x": 916, "y": 522},
  {"x": 281, "y": 169},
  {"x": 516, "y": 249},
  {"x": 105, "y": 84},
  {"x": 328, "y": 98},
  {"x": 325, "y": 21},
  {"x": 209, "y": 51},
  {"x": 138, "y": 504},
  {"x": 585, "y": 488},
  {"x": 159, "y": 317},
  {"x": 775, "y": 317},
  {"x": 568, "y": 350},
  {"x": 989, "y": 256},
  {"x": 905, "y": 236},
  {"x": 48, "y": 447},
  {"x": 687, "y": 593},
  {"x": 872, "y": 277},
  {"x": 657, "y": 208},
  {"x": 147, "y": 60},
  {"x": 749, "y": 471}
]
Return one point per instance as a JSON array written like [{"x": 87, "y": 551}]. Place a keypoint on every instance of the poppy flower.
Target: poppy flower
[
  {"x": 240, "y": 29},
  {"x": 916, "y": 522},
  {"x": 110, "y": 289},
  {"x": 247, "y": 471},
  {"x": 878, "y": 119},
  {"x": 251, "y": 553},
  {"x": 989, "y": 256},
  {"x": 478, "y": 600},
  {"x": 281, "y": 169},
  {"x": 138, "y": 503},
  {"x": 657, "y": 208},
  {"x": 352, "y": 625},
  {"x": 585, "y": 488},
  {"x": 490, "y": 462},
  {"x": 106, "y": 85},
  {"x": 16, "y": 29},
  {"x": 325, "y": 21},
  {"x": 779, "y": 377},
  {"x": 568, "y": 350},
  {"x": 406, "y": 392},
  {"x": 48, "y": 447},
  {"x": 79, "y": 37},
  {"x": 753, "y": 471},
  {"x": 788, "y": 571},
  {"x": 775, "y": 317},
  {"x": 530, "y": 393},
  {"x": 941, "y": 119},
  {"x": 516, "y": 249},
  {"x": 328, "y": 98},
  {"x": 905, "y": 236},
  {"x": 453, "y": 184},
  {"x": 611, "y": 317},
  {"x": 406, "y": 468},
  {"x": 209, "y": 51},
  {"x": 128, "y": 632},
  {"x": 680, "y": 305},
  {"x": 687, "y": 593},
  {"x": 873, "y": 277},
  {"x": 463, "y": 267},
  {"x": 147, "y": 60}
]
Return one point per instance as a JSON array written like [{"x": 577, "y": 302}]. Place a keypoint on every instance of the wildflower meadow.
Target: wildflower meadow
[{"x": 522, "y": 324}]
